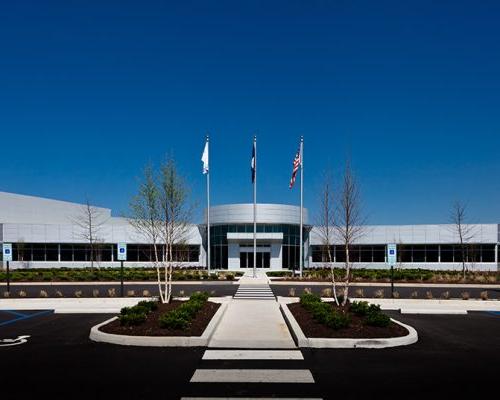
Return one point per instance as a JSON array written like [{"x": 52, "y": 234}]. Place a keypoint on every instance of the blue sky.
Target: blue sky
[{"x": 92, "y": 91}]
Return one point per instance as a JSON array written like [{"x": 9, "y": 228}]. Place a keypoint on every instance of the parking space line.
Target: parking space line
[
  {"x": 15, "y": 313},
  {"x": 25, "y": 316}
]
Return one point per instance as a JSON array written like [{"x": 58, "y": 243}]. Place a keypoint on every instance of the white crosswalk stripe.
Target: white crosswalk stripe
[
  {"x": 252, "y": 355},
  {"x": 214, "y": 380},
  {"x": 253, "y": 376},
  {"x": 255, "y": 292}
]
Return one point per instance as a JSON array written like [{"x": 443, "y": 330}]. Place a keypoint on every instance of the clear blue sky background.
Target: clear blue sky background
[{"x": 89, "y": 93}]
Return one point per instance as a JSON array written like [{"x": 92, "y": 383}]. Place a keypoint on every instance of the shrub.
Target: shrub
[
  {"x": 149, "y": 305},
  {"x": 428, "y": 295},
  {"x": 484, "y": 295},
  {"x": 360, "y": 307},
  {"x": 112, "y": 292},
  {"x": 359, "y": 293},
  {"x": 6, "y": 294},
  {"x": 95, "y": 293},
  {"x": 307, "y": 298},
  {"x": 338, "y": 320},
  {"x": 414, "y": 294},
  {"x": 379, "y": 294},
  {"x": 43, "y": 294},
  {"x": 377, "y": 319},
  {"x": 130, "y": 293},
  {"x": 173, "y": 320},
  {"x": 59, "y": 293},
  {"x": 182, "y": 315},
  {"x": 130, "y": 318},
  {"x": 229, "y": 277},
  {"x": 21, "y": 293},
  {"x": 200, "y": 296},
  {"x": 395, "y": 294},
  {"x": 146, "y": 293},
  {"x": 181, "y": 293},
  {"x": 291, "y": 292},
  {"x": 465, "y": 295},
  {"x": 78, "y": 293},
  {"x": 326, "y": 292},
  {"x": 307, "y": 290}
]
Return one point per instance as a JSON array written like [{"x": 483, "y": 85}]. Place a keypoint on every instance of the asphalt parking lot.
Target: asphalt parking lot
[{"x": 456, "y": 356}]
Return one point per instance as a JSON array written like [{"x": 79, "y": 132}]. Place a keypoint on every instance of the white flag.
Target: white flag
[{"x": 204, "y": 159}]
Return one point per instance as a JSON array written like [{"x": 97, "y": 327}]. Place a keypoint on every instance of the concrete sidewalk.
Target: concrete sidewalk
[
  {"x": 80, "y": 306},
  {"x": 248, "y": 278},
  {"x": 252, "y": 324}
]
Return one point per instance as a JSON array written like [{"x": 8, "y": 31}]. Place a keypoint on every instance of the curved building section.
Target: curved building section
[
  {"x": 277, "y": 237},
  {"x": 266, "y": 214}
]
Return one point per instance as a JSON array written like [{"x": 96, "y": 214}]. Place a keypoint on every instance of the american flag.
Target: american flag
[{"x": 296, "y": 164}]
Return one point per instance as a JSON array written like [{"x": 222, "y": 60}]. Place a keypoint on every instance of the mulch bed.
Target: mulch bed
[
  {"x": 151, "y": 326},
  {"x": 356, "y": 330}
]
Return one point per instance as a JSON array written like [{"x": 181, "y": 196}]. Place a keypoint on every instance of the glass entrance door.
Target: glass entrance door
[{"x": 263, "y": 259}]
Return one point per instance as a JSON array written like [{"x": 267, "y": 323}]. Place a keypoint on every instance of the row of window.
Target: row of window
[
  {"x": 99, "y": 252},
  {"x": 407, "y": 253}
]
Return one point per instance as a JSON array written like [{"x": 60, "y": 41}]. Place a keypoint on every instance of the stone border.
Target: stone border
[
  {"x": 376, "y": 343},
  {"x": 159, "y": 341}
]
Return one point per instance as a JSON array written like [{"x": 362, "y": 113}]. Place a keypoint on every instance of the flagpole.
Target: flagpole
[
  {"x": 208, "y": 208},
  {"x": 255, "y": 208},
  {"x": 301, "y": 255}
]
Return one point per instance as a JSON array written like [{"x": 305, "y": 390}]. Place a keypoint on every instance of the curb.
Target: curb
[
  {"x": 159, "y": 341},
  {"x": 376, "y": 343},
  {"x": 432, "y": 311}
]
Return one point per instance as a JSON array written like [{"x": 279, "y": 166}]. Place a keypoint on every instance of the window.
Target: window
[
  {"x": 339, "y": 254},
  {"x": 66, "y": 252},
  {"x": 432, "y": 253},
  {"x": 51, "y": 251},
  {"x": 366, "y": 254},
  {"x": 404, "y": 253},
  {"x": 446, "y": 253},
  {"x": 379, "y": 254},
  {"x": 418, "y": 252},
  {"x": 488, "y": 253}
]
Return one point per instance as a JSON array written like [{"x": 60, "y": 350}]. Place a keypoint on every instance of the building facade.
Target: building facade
[{"x": 47, "y": 233}]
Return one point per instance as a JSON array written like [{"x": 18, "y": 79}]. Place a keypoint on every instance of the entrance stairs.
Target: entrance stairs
[{"x": 254, "y": 287}]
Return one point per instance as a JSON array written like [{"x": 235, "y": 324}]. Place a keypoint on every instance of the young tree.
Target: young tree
[
  {"x": 90, "y": 220},
  {"x": 462, "y": 229},
  {"x": 326, "y": 222},
  {"x": 161, "y": 213},
  {"x": 349, "y": 222}
]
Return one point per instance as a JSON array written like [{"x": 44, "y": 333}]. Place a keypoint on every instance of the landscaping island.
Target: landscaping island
[
  {"x": 358, "y": 320},
  {"x": 177, "y": 318},
  {"x": 150, "y": 323}
]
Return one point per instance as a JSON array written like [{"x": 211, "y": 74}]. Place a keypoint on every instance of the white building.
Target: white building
[{"x": 43, "y": 233}]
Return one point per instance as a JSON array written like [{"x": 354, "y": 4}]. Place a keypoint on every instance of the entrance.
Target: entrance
[{"x": 263, "y": 258}]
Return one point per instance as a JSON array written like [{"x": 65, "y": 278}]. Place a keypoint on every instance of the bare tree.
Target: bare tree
[
  {"x": 161, "y": 213},
  {"x": 349, "y": 223},
  {"x": 326, "y": 222},
  {"x": 90, "y": 220},
  {"x": 146, "y": 217},
  {"x": 463, "y": 230}
]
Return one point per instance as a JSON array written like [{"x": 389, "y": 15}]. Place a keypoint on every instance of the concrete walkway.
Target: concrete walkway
[
  {"x": 252, "y": 324},
  {"x": 248, "y": 278}
]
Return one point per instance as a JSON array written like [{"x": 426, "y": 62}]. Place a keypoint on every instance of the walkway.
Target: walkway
[{"x": 251, "y": 323}]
